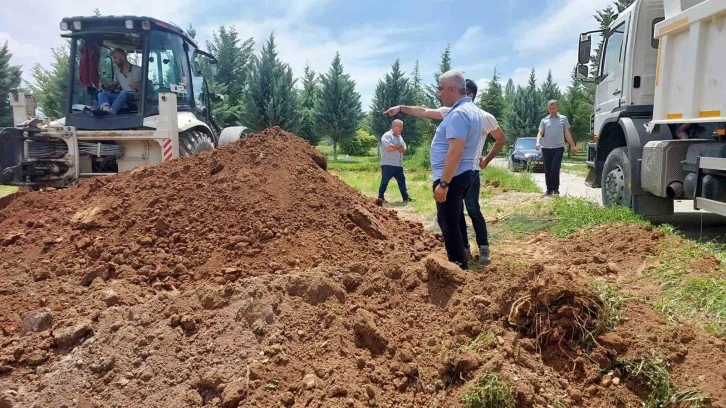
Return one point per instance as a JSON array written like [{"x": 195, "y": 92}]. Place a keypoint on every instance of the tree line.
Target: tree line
[{"x": 260, "y": 91}]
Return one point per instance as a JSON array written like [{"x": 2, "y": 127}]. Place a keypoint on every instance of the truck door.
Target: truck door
[{"x": 610, "y": 88}]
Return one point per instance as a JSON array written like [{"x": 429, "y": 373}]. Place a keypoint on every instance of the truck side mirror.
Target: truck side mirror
[
  {"x": 582, "y": 71},
  {"x": 584, "y": 51}
]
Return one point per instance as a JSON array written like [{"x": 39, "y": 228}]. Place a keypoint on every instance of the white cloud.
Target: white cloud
[
  {"x": 558, "y": 23},
  {"x": 561, "y": 66}
]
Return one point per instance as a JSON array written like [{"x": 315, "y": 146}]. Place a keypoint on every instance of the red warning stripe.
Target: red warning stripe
[{"x": 166, "y": 149}]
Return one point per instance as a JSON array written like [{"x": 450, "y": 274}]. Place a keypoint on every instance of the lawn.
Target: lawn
[{"x": 7, "y": 190}]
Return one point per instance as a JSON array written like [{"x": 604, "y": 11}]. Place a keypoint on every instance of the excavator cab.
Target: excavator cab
[
  {"x": 170, "y": 61},
  {"x": 168, "y": 116}
]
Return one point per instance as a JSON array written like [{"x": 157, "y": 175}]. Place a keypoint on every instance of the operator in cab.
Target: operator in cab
[{"x": 127, "y": 78}]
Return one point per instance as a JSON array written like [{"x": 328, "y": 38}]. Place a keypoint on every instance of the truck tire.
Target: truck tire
[
  {"x": 616, "y": 179},
  {"x": 194, "y": 141}
]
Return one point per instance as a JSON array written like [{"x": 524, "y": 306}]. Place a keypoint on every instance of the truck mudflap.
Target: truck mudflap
[{"x": 37, "y": 158}]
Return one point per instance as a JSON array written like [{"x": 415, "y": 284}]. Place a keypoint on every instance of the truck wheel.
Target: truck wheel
[
  {"x": 616, "y": 179},
  {"x": 194, "y": 141}
]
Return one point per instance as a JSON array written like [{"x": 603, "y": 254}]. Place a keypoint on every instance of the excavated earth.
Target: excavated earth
[{"x": 250, "y": 276}]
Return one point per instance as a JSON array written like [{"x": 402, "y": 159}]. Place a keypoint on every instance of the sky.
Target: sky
[{"x": 512, "y": 35}]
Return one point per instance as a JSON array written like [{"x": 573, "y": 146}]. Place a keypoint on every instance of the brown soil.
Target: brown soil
[{"x": 252, "y": 277}]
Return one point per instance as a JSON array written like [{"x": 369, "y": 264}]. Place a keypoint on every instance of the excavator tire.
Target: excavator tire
[{"x": 193, "y": 141}]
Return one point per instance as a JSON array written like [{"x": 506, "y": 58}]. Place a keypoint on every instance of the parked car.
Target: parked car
[{"x": 524, "y": 156}]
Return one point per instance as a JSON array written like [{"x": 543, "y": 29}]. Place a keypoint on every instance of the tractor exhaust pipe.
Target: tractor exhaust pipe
[{"x": 674, "y": 190}]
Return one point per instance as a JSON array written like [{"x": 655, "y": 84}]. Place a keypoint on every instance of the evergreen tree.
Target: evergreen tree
[
  {"x": 526, "y": 112},
  {"x": 550, "y": 90},
  {"x": 192, "y": 31},
  {"x": 424, "y": 128},
  {"x": 432, "y": 90},
  {"x": 578, "y": 109},
  {"x": 309, "y": 96},
  {"x": 235, "y": 60},
  {"x": 393, "y": 90},
  {"x": 604, "y": 17},
  {"x": 509, "y": 93},
  {"x": 621, "y": 5},
  {"x": 339, "y": 107},
  {"x": 270, "y": 98},
  {"x": 492, "y": 100},
  {"x": 9, "y": 79},
  {"x": 51, "y": 85}
]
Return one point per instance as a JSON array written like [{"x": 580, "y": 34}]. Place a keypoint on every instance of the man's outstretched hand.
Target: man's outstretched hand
[{"x": 392, "y": 111}]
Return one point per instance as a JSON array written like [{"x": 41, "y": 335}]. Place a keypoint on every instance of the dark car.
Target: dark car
[{"x": 524, "y": 156}]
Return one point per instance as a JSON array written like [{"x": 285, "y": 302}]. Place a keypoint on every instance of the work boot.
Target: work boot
[
  {"x": 484, "y": 256},
  {"x": 408, "y": 200},
  {"x": 380, "y": 201}
]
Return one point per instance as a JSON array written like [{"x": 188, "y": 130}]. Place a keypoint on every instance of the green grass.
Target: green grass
[
  {"x": 609, "y": 315},
  {"x": 508, "y": 181},
  {"x": 699, "y": 299},
  {"x": 652, "y": 373},
  {"x": 489, "y": 392},
  {"x": 579, "y": 169},
  {"x": 479, "y": 344},
  {"x": 574, "y": 214},
  {"x": 7, "y": 190}
]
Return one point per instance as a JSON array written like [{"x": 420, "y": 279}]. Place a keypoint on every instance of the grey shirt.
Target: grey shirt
[
  {"x": 394, "y": 158},
  {"x": 553, "y": 135},
  {"x": 124, "y": 81}
]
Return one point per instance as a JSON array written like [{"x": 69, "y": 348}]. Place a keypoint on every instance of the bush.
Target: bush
[{"x": 360, "y": 145}]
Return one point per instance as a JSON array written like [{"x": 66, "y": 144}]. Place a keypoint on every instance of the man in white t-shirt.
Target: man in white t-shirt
[{"x": 471, "y": 200}]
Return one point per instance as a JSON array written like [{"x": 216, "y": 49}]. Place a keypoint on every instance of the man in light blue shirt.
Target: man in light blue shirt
[
  {"x": 392, "y": 149},
  {"x": 453, "y": 156}
]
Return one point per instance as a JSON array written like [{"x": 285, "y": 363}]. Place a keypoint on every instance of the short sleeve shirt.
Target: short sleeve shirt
[
  {"x": 463, "y": 121},
  {"x": 489, "y": 125},
  {"x": 394, "y": 158},
  {"x": 124, "y": 81},
  {"x": 553, "y": 135}
]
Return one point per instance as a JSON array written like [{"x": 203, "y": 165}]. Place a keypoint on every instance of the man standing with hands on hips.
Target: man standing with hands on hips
[
  {"x": 553, "y": 130},
  {"x": 453, "y": 154}
]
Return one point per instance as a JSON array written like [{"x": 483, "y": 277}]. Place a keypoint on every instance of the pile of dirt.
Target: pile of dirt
[{"x": 249, "y": 276}]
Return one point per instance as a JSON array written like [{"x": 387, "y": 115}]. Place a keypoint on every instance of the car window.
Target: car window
[{"x": 526, "y": 144}]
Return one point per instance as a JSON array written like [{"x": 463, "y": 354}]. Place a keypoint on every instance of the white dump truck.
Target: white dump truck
[{"x": 659, "y": 124}]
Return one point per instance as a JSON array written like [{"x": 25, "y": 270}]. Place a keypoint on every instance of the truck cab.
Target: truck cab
[{"x": 637, "y": 79}]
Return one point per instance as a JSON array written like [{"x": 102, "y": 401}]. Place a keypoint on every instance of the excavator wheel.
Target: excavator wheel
[{"x": 193, "y": 141}]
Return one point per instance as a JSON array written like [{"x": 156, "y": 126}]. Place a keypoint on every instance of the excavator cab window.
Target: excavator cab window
[{"x": 168, "y": 70}]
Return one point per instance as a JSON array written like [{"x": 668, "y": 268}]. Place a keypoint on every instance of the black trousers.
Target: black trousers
[
  {"x": 448, "y": 215},
  {"x": 471, "y": 201},
  {"x": 552, "y": 163}
]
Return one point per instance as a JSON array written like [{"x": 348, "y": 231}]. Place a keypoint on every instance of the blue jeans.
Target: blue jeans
[
  {"x": 449, "y": 213},
  {"x": 392, "y": 172},
  {"x": 116, "y": 100},
  {"x": 471, "y": 201}
]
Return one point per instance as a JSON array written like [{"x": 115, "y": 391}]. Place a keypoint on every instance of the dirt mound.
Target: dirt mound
[{"x": 249, "y": 276}]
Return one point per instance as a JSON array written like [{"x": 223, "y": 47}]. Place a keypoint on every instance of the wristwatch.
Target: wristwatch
[{"x": 443, "y": 184}]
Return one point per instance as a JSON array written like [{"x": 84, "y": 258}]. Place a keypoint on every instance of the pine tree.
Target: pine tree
[
  {"x": 526, "y": 111},
  {"x": 424, "y": 128},
  {"x": 550, "y": 90},
  {"x": 493, "y": 100},
  {"x": 309, "y": 96},
  {"x": 432, "y": 91},
  {"x": 339, "y": 107},
  {"x": 235, "y": 60},
  {"x": 393, "y": 90},
  {"x": 51, "y": 85},
  {"x": 621, "y": 5},
  {"x": 578, "y": 109},
  {"x": 9, "y": 79},
  {"x": 192, "y": 31},
  {"x": 509, "y": 93},
  {"x": 270, "y": 98}
]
